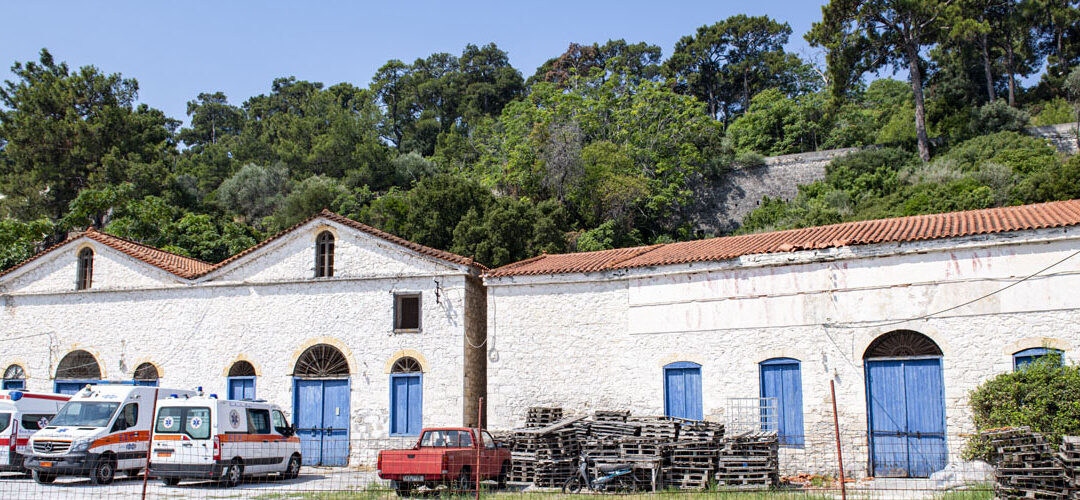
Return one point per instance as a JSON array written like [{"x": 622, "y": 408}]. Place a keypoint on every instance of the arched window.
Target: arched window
[
  {"x": 1029, "y": 356},
  {"x": 324, "y": 255},
  {"x": 902, "y": 343},
  {"x": 75, "y": 370},
  {"x": 14, "y": 378},
  {"x": 146, "y": 374},
  {"x": 682, "y": 390},
  {"x": 85, "y": 275},
  {"x": 320, "y": 361},
  {"x": 241, "y": 380},
  {"x": 782, "y": 399},
  {"x": 406, "y": 397}
]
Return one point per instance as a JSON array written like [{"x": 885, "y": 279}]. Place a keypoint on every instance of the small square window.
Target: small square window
[{"x": 407, "y": 312}]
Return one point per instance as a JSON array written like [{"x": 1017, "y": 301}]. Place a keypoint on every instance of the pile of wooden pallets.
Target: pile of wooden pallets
[
  {"x": 1070, "y": 462},
  {"x": 749, "y": 460},
  {"x": 691, "y": 465},
  {"x": 545, "y": 456},
  {"x": 1026, "y": 465},
  {"x": 540, "y": 416}
]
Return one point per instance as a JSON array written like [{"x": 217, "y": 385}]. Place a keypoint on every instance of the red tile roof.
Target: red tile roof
[
  {"x": 341, "y": 219},
  {"x": 184, "y": 267},
  {"x": 901, "y": 229}
]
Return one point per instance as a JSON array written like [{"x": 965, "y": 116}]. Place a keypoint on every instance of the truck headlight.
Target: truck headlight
[{"x": 80, "y": 445}]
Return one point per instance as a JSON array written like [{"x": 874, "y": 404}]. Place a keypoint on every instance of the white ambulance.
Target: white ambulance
[
  {"x": 21, "y": 415},
  {"x": 100, "y": 430},
  {"x": 207, "y": 438}
]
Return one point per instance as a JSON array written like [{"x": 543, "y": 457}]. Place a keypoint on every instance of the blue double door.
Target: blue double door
[
  {"x": 241, "y": 388},
  {"x": 682, "y": 390},
  {"x": 321, "y": 409},
  {"x": 781, "y": 381},
  {"x": 906, "y": 398},
  {"x": 406, "y": 404}
]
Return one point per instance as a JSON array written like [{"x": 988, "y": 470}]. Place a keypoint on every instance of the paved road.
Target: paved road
[{"x": 312, "y": 479}]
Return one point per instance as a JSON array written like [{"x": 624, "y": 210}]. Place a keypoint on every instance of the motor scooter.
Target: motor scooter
[{"x": 612, "y": 477}]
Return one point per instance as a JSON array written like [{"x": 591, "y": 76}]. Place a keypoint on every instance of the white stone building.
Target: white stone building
[
  {"x": 363, "y": 335},
  {"x": 905, "y": 316}
]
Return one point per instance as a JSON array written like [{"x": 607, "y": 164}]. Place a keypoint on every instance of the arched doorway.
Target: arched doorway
[
  {"x": 241, "y": 380},
  {"x": 146, "y": 374},
  {"x": 406, "y": 397},
  {"x": 75, "y": 370},
  {"x": 321, "y": 405},
  {"x": 905, "y": 394},
  {"x": 14, "y": 378}
]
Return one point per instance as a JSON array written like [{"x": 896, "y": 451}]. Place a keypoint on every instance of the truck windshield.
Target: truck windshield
[
  {"x": 5, "y": 421},
  {"x": 446, "y": 439},
  {"x": 85, "y": 414},
  {"x": 194, "y": 422}
]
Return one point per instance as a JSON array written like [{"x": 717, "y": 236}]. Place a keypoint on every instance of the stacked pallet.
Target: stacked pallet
[
  {"x": 701, "y": 430},
  {"x": 1026, "y": 465},
  {"x": 691, "y": 465},
  {"x": 540, "y": 416},
  {"x": 545, "y": 456},
  {"x": 611, "y": 415},
  {"x": 659, "y": 429},
  {"x": 1070, "y": 462},
  {"x": 749, "y": 460}
]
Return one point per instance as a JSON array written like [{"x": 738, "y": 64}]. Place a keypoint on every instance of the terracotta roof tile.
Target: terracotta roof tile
[
  {"x": 902, "y": 229},
  {"x": 416, "y": 247}
]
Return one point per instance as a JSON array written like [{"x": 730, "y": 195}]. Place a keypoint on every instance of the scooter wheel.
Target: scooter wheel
[{"x": 573, "y": 485}]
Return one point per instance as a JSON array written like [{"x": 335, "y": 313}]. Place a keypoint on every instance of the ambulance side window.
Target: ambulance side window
[
  {"x": 128, "y": 417},
  {"x": 5, "y": 421},
  {"x": 258, "y": 421},
  {"x": 280, "y": 424},
  {"x": 33, "y": 422}
]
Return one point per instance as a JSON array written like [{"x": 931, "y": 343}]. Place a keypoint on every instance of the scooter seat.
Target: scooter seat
[{"x": 607, "y": 469}]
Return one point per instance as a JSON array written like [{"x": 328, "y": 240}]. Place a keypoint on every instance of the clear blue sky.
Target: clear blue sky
[{"x": 178, "y": 49}]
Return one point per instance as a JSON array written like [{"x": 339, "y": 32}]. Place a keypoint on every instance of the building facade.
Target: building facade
[
  {"x": 363, "y": 336},
  {"x": 904, "y": 316}
]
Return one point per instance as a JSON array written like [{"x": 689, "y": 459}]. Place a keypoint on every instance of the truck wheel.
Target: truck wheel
[
  {"x": 170, "y": 481},
  {"x": 104, "y": 471},
  {"x": 293, "y": 470},
  {"x": 504, "y": 474},
  {"x": 43, "y": 478},
  {"x": 464, "y": 483},
  {"x": 233, "y": 474}
]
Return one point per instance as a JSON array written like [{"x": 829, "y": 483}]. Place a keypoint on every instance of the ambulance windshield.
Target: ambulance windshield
[{"x": 85, "y": 414}]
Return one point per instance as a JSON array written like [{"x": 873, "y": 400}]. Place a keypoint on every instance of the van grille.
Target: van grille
[{"x": 51, "y": 447}]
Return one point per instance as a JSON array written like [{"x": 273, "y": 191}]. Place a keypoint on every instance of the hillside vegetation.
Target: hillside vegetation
[{"x": 599, "y": 147}]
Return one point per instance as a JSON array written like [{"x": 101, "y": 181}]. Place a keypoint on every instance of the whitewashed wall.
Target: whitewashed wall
[
  {"x": 600, "y": 341},
  {"x": 267, "y": 310}
]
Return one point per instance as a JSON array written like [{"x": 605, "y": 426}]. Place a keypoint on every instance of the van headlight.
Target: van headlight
[{"x": 80, "y": 445}]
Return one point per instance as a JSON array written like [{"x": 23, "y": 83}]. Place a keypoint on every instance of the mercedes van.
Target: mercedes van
[
  {"x": 102, "y": 429},
  {"x": 21, "y": 415},
  {"x": 207, "y": 438}
]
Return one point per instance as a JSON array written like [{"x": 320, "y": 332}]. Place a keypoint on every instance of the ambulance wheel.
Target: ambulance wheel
[
  {"x": 293, "y": 470},
  {"x": 233, "y": 474},
  {"x": 104, "y": 471},
  {"x": 43, "y": 478},
  {"x": 170, "y": 481}
]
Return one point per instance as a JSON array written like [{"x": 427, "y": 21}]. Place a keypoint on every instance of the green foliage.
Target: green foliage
[
  {"x": 254, "y": 191},
  {"x": 998, "y": 116},
  {"x": 20, "y": 240},
  {"x": 1053, "y": 112},
  {"x": 310, "y": 196},
  {"x": 1044, "y": 395},
  {"x": 777, "y": 124}
]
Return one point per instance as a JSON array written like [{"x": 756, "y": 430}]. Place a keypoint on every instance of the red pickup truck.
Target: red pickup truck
[{"x": 445, "y": 456}]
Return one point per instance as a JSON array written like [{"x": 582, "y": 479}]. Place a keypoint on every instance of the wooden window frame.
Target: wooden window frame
[
  {"x": 84, "y": 274},
  {"x": 398, "y": 297},
  {"x": 325, "y": 243}
]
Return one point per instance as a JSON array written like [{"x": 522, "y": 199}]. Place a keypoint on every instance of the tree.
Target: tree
[
  {"x": 490, "y": 82},
  {"x": 633, "y": 63},
  {"x": 391, "y": 85},
  {"x": 863, "y": 36},
  {"x": 254, "y": 191},
  {"x": 20, "y": 240},
  {"x": 727, "y": 63},
  {"x": 212, "y": 117},
  {"x": 64, "y": 131}
]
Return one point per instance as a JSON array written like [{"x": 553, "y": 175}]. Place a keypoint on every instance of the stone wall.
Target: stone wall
[
  {"x": 1062, "y": 136},
  {"x": 600, "y": 341}
]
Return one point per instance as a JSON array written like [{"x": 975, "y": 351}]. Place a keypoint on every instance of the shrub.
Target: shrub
[
  {"x": 1053, "y": 112},
  {"x": 998, "y": 116},
  {"x": 1044, "y": 395}
]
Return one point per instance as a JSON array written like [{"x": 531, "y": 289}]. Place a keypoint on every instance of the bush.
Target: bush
[
  {"x": 998, "y": 116},
  {"x": 1044, "y": 395},
  {"x": 1053, "y": 112}
]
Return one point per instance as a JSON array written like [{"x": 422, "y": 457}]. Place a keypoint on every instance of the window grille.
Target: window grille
[
  {"x": 78, "y": 365},
  {"x": 321, "y": 360}
]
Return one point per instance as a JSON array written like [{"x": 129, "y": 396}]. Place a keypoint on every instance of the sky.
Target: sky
[{"x": 178, "y": 49}]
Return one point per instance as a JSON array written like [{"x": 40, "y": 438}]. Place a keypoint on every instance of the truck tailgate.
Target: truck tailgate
[{"x": 424, "y": 461}]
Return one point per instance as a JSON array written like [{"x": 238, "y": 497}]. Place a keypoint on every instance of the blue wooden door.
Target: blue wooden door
[
  {"x": 406, "y": 404},
  {"x": 321, "y": 409},
  {"x": 781, "y": 379},
  {"x": 907, "y": 417},
  {"x": 241, "y": 388},
  {"x": 682, "y": 391},
  {"x": 335, "y": 448}
]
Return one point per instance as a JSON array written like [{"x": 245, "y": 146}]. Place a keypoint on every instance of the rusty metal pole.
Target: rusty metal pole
[
  {"x": 149, "y": 444},
  {"x": 480, "y": 441},
  {"x": 839, "y": 452}
]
